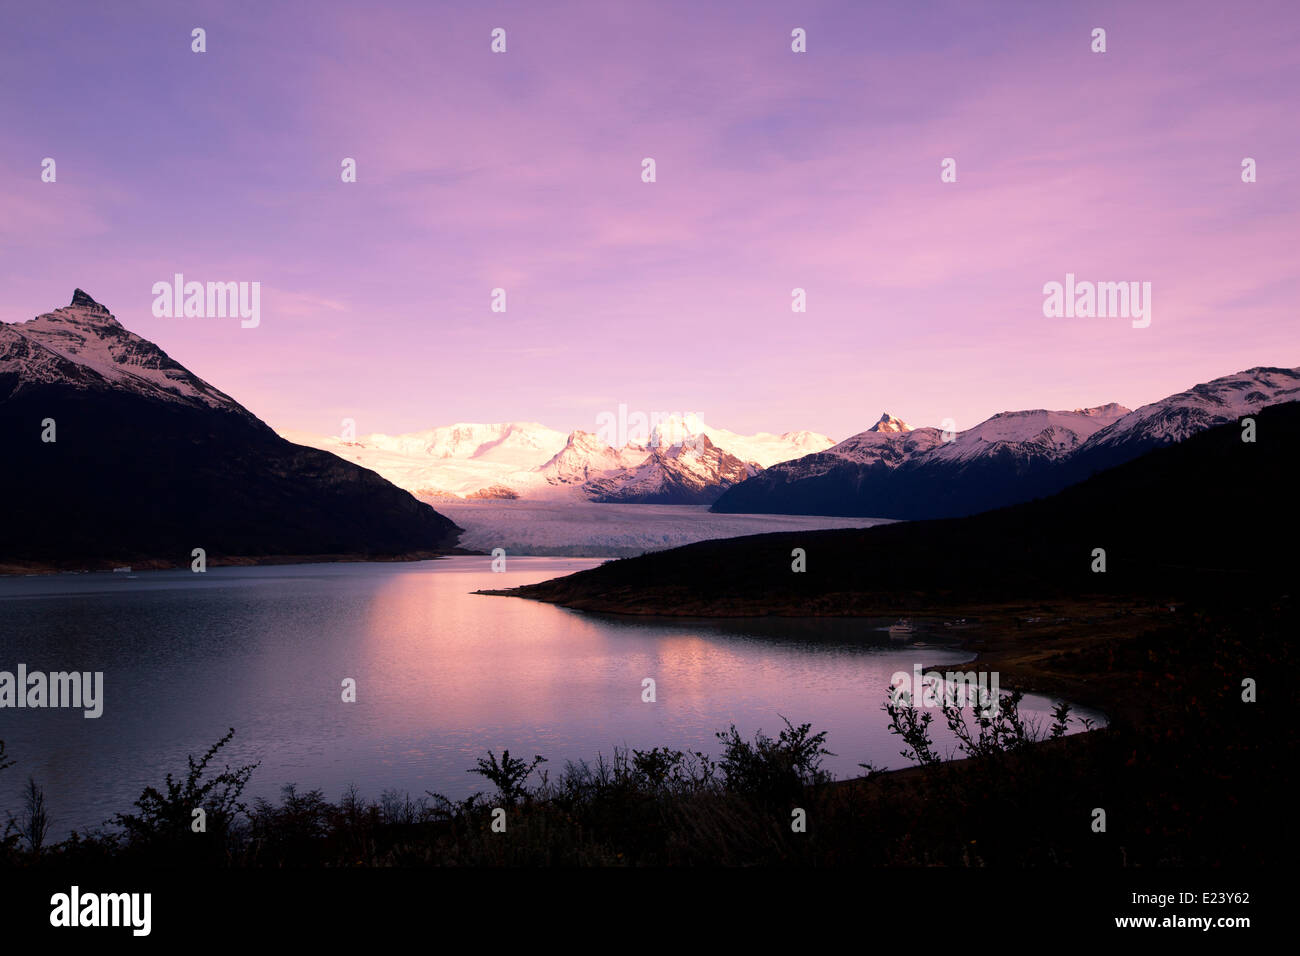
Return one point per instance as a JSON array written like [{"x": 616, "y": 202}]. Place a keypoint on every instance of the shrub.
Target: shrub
[
  {"x": 773, "y": 770},
  {"x": 163, "y": 824},
  {"x": 508, "y": 775}
]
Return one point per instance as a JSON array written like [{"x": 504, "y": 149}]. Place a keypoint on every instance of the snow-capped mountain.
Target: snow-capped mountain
[
  {"x": 681, "y": 461},
  {"x": 585, "y": 458},
  {"x": 82, "y": 346},
  {"x": 1203, "y": 406},
  {"x": 516, "y": 445},
  {"x": 889, "y": 442},
  {"x": 1036, "y": 433},
  {"x": 890, "y": 471},
  {"x": 763, "y": 449},
  {"x": 148, "y": 462},
  {"x": 452, "y": 462},
  {"x": 693, "y": 472},
  {"x": 888, "y": 423}
]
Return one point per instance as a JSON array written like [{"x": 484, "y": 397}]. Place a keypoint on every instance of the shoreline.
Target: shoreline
[
  {"x": 28, "y": 569},
  {"x": 1025, "y": 641}
]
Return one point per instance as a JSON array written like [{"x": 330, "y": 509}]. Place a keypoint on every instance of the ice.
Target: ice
[{"x": 586, "y": 529}]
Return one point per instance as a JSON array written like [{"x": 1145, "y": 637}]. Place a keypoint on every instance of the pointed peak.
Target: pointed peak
[
  {"x": 82, "y": 300},
  {"x": 888, "y": 423}
]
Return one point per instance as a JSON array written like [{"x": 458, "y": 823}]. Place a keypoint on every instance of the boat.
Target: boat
[
  {"x": 125, "y": 570},
  {"x": 901, "y": 631}
]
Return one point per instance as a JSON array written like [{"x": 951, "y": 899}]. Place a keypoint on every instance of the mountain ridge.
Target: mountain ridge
[
  {"x": 1162, "y": 535},
  {"x": 1009, "y": 457},
  {"x": 135, "y": 459},
  {"x": 681, "y": 461}
]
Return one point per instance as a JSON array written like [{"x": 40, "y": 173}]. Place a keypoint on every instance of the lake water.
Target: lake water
[{"x": 442, "y": 675}]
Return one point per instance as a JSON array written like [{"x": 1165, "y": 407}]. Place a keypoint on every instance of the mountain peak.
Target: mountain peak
[
  {"x": 888, "y": 423},
  {"x": 83, "y": 345},
  {"x": 1109, "y": 409},
  {"x": 82, "y": 300}
]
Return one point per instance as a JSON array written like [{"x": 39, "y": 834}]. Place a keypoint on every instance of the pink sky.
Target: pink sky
[{"x": 775, "y": 170}]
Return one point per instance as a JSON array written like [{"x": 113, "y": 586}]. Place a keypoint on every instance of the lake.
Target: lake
[{"x": 442, "y": 675}]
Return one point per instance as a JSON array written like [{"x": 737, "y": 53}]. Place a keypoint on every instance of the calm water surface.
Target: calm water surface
[{"x": 442, "y": 676}]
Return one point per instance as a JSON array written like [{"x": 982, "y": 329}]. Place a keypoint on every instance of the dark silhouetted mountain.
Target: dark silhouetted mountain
[{"x": 150, "y": 462}]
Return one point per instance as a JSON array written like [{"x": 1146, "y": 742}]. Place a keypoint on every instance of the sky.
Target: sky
[{"x": 775, "y": 170}]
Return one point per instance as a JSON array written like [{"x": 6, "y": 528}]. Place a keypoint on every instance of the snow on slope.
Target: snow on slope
[
  {"x": 1054, "y": 434},
  {"x": 693, "y": 472},
  {"x": 519, "y": 445},
  {"x": 83, "y": 344},
  {"x": 890, "y": 441},
  {"x": 1009, "y": 457},
  {"x": 1051, "y": 434},
  {"x": 763, "y": 449},
  {"x": 583, "y": 458},
  {"x": 1202, "y": 406},
  {"x": 533, "y": 461}
]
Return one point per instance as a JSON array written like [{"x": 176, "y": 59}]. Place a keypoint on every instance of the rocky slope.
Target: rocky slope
[
  {"x": 890, "y": 471},
  {"x": 150, "y": 462}
]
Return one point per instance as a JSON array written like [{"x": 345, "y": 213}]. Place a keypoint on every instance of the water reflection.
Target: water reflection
[{"x": 442, "y": 675}]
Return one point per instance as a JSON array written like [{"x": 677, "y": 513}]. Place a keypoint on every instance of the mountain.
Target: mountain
[
  {"x": 451, "y": 462},
  {"x": 888, "y": 443},
  {"x": 888, "y": 423},
  {"x": 149, "y": 462},
  {"x": 516, "y": 445},
  {"x": 585, "y": 458},
  {"x": 681, "y": 460},
  {"x": 693, "y": 472},
  {"x": 763, "y": 449},
  {"x": 83, "y": 346},
  {"x": 1180, "y": 416},
  {"x": 1160, "y": 519},
  {"x": 892, "y": 472}
]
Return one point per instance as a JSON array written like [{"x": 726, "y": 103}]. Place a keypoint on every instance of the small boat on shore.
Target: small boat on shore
[{"x": 124, "y": 570}]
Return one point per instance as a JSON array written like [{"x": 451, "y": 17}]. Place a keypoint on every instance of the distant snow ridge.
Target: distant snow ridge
[
  {"x": 1203, "y": 406},
  {"x": 891, "y": 470},
  {"x": 763, "y": 449},
  {"x": 1046, "y": 434},
  {"x": 585, "y": 457},
  {"x": 1042, "y": 433},
  {"x": 684, "y": 460},
  {"x": 693, "y": 472},
  {"x": 515, "y": 443}
]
